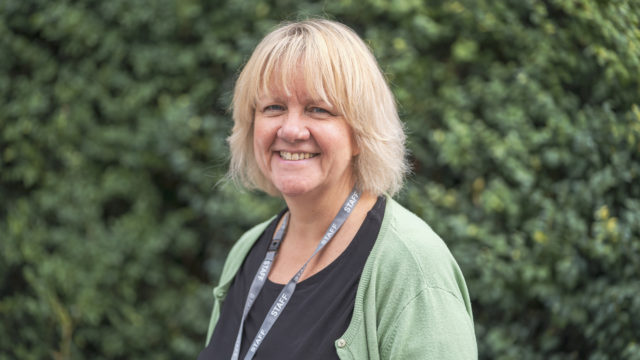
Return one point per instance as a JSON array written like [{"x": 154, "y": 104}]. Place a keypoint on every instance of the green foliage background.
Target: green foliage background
[{"x": 524, "y": 128}]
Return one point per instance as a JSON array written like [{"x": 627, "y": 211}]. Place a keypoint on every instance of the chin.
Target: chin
[
  {"x": 293, "y": 192},
  {"x": 293, "y": 189}
]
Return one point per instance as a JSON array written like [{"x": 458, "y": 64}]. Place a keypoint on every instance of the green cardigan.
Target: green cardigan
[{"x": 412, "y": 301}]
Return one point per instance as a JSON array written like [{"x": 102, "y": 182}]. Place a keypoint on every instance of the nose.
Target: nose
[{"x": 293, "y": 128}]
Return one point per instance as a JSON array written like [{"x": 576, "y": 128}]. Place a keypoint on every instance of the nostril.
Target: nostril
[{"x": 293, "y": 132}]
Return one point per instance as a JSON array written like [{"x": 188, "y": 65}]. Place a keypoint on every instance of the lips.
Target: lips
[{"x": 296, "y": 155}]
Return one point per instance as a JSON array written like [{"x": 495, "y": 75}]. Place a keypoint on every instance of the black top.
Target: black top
[{"x": 318, "y": 313}]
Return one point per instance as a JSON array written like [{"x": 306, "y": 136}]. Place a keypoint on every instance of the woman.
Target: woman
[{"x": 345, "y": 271}]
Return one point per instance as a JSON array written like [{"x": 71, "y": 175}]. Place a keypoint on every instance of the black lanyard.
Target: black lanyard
[{"x": 285, "y": 295}]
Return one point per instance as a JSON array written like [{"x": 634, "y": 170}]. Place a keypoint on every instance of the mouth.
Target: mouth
[{"x": 296, "y": 156}]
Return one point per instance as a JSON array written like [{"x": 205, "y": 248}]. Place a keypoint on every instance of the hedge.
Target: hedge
[{"x": 524, "y": 130}]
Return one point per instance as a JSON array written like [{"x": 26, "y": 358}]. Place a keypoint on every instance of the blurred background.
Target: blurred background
[{"x": 524, "y": 130}]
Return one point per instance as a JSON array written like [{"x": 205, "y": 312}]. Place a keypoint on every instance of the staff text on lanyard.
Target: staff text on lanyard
[{"x": 285, "y": 295}]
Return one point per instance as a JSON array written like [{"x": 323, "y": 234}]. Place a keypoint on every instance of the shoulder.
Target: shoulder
[
  {"x": 240, "y": 250},
  {"x": 415, "y": 286},
  {"x": 409, "y": 250}
]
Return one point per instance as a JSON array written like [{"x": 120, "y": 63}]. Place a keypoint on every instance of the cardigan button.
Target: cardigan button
[
  {"x": 219, "y": 293},
  {"x": 341, "y": 343}
]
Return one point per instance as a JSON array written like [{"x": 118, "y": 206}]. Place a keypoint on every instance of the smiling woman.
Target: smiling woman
[
  {"x": 331, "y": 66},
  {"x": 345, "y": 271},
  {"x": 303, "y": 146}
]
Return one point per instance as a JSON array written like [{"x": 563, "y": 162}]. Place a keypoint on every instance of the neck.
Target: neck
[
  {"x": 312, "y": 214},
  {"x": 308, "y": 222}
]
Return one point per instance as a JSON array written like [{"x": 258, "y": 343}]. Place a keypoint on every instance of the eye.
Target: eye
[
  {"x": 319, "y": 112},
  {"x": 273, "y": 109}
]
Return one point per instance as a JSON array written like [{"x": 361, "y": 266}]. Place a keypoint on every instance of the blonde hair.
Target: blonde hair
[{"x": 339, "y": 69}]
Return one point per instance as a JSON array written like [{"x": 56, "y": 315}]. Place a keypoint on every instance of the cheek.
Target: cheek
[
  {"x": 260, "y": 136},
  {"x": 263, "y": 138},
  {"x": 346, "y": 139}
]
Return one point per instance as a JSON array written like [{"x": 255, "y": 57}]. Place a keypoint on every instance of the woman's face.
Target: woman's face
[{"x": 302, "y": 145}]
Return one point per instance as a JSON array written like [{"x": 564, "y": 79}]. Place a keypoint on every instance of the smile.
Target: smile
[{"x": 296, "y": 156}]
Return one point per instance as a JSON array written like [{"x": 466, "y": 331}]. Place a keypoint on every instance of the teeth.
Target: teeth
[{"x": 295, "y": 156}]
